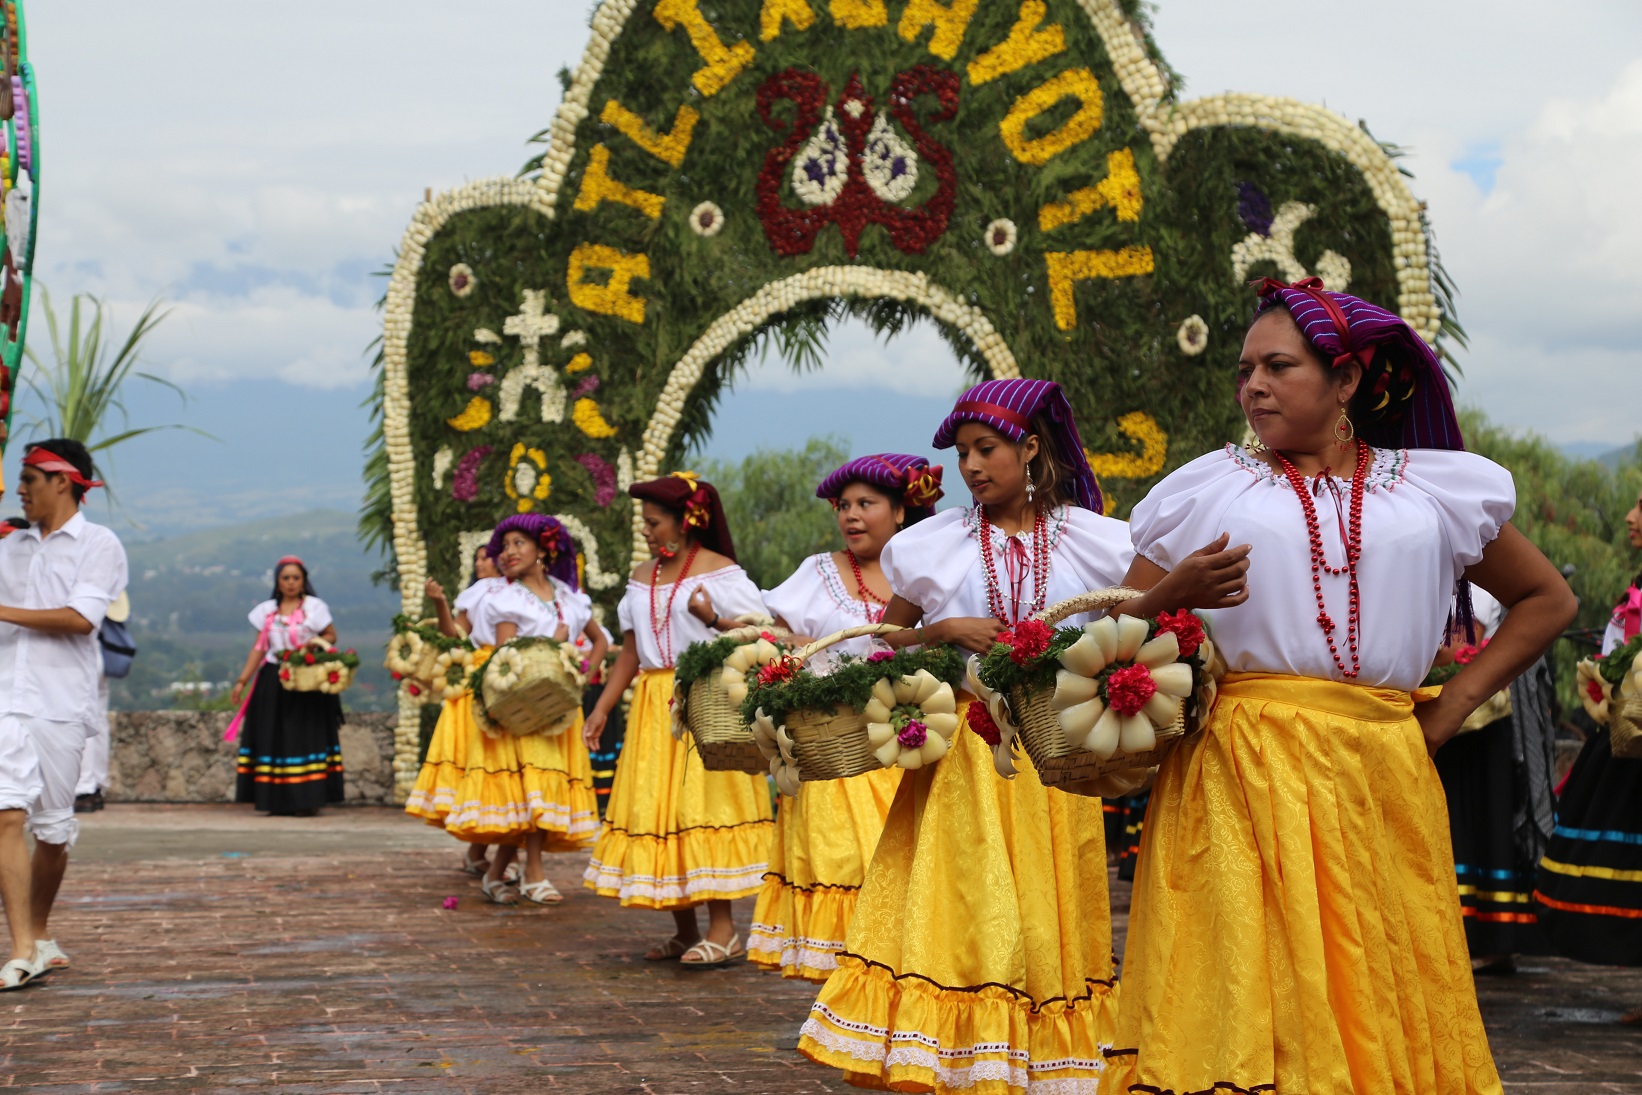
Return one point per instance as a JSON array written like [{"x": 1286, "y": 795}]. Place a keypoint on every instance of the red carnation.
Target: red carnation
[
  {"x": 980, "y": 721},
  {"x": 1030, "y": 639},
  {"x": 334, "y": 676},
  {"x": 777, "y": 671},
  {"x": 396, "y": 675},
  {"x": 1128, "y": 689},
  {"x": 309, "y": 658},
  {"x": 351, "y": 651},
  {"x": 1593, "y": 689},
  {"x": 413, "y": 688},
  {"x": 284, "y": 674},
  {"x": 1187, "y": 628},
  {"x": 1466, "y": 652}
]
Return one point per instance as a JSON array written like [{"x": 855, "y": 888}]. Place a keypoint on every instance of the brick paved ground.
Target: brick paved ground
[{"x": 218, "y": 951}]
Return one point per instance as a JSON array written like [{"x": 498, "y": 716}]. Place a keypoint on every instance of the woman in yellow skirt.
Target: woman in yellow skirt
[
  {"x": 825, "y": 835},
  {"x": 980, "y": 956},
  {"x": 1296, "y": 924},
  {"x": 676, "y": 835},
  {"x": 535, "y": 791}
]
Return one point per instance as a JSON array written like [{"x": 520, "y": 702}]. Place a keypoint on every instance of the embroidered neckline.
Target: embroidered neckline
[
  {"x": 833, "y": 581},
  {"x": 1059, "y": 518},
  {"x": 1389, "y": 469}
]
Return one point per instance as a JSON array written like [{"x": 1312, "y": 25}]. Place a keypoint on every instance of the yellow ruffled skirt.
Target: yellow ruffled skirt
[
  {"x": 1296, "y": 921},
  {"x": 496, "y": 790},
  {"x": 675, "y": 834},
  {"x": 824, "y": 839},
  {"x": 980, "y": 956}
]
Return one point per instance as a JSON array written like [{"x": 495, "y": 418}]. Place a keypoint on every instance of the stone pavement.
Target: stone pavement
[{"x": 220, "y": 951}]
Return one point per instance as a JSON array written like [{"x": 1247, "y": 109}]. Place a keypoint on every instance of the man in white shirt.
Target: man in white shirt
[{"x": 57, "y": 578}]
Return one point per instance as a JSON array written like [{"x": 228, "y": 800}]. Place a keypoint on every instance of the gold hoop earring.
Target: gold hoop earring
[
  {"x": 1345, "y": 432},
  {"x": 1030, "y": 489}
]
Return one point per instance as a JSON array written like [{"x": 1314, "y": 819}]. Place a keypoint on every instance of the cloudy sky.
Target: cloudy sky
[{"x": 256, "y": 165}]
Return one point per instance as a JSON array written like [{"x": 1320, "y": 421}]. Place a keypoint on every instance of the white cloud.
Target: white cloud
[
  {"x": 917, "y": 362},
  {"x": 303, "y": 339}
]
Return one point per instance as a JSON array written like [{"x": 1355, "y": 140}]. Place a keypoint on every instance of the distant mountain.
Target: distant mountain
[
  {"x": 190, "y": 595},
  {"x": 1603, "y": 452}
]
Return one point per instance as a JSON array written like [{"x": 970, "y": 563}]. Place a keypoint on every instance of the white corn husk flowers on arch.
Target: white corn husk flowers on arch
[
  {"x": 911, "y": 719},
  {"x": 1123, "y": 708},
  {"x": 451, "y": 671}
]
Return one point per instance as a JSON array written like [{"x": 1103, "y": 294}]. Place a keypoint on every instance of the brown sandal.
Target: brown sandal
[{"x": 667, "y": 951}]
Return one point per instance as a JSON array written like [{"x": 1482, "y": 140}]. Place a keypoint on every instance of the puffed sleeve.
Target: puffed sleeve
[
  {"x": 508, "y": 605},
  {"x": 316, "y": 615},
  {"x": 1473, "y": 498},
  {"x": 1097, "y": 548},
  {"x": 927, "y": 562},
  {"x": 575, "y": 607},
  {"x": 259, "y": 615},
  {"x": 1184, "y": 512},
  {"x": 799, "y": 599},
  {"x": 627, "y": 612},
  {"x": 734, "y": 594}
]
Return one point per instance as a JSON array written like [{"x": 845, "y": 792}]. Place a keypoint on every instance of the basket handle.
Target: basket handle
[
  {"x": 808, "y": 652},
  {"x": 1087, "y": 602},
  {"x": 742, "y": 634}
]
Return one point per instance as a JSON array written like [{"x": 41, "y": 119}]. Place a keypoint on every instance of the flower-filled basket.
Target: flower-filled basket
[
  {"x": 1091, "y": 702},
  {"x": 1611, "y": 688},
  {"x": 528, "y": 686},
  {"x": 1494, "y": 708},
  {"x": 709, "y": 684},
  {"x": 888, "y": 710},
  {"x": 317, "y": 667},
  {"x": 413, "y": 658}
]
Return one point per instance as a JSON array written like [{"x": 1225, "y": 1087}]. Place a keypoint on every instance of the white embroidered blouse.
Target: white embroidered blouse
[
  {"x": 733, "y": 593},
  {"x": 515, "y": 604}
]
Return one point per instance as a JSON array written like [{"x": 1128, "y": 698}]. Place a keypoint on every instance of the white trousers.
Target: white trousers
[
  {"x": 94, "y": 759},
  {"x": 39, "y": 766}
]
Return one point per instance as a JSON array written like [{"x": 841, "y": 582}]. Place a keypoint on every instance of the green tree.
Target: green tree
[
  {"x": 774, "y": 514},
  {"x": 82, "y": 387},
  {"x": 1573, "y": 511}
]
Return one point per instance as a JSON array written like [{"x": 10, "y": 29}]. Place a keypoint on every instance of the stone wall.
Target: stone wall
[{"x": 179, "y": 756}]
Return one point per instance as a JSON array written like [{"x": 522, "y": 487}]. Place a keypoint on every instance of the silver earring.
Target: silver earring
[{"x": 1030, "y": 489}]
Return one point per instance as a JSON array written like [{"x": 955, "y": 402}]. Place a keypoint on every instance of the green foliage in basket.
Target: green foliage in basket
[
  {"x": 1028, "y": 657},
  {"x": 309, "y": 655},
  {"x": 699, "y": 659},
  {"x": 431, "y": 635},
  {"x": 1616, "y": 665},
  {"x": 850, "y": 683},
  {"x": 476, "y": 678},
  {"x": 1441, "y": 674}
]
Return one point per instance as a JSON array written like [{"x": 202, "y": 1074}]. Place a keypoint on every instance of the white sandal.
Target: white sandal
[
  {"x": 541, "y": 893},
  {"x": 498, "y": 892},
  {"x": 49, "y": 956},
  {"x": 17, "y": 973},
  {"x": 713, "y": 954}
]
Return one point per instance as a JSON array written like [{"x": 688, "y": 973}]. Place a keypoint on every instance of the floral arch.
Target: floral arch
[{"x": 1019, "y": 171}]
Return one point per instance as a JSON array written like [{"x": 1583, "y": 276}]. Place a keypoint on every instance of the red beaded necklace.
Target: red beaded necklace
[
  {"x": 664, "y": 630},
  {"x": 1039, "y": 570},
  {"x": 1319, "y": 561},
  {"x": 861, "y": 583}
]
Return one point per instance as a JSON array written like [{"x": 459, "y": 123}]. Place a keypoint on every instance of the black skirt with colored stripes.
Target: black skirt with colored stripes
[
  {"x": 290, "y": 754},
  {"x": 1125, "y": 817},
  {"x": 1496, "y": 878},
  {"x": 1590, "y": 880}
]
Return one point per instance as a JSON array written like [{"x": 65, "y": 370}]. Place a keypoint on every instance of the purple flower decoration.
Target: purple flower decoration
[
  {"x": 1254, "y": 207},
  {"x": 880, "y": 656},
  {"x": 604, "y": 477},
  {"x": 450, "y": 902},
  {"x": 479, "y": 380},
  {"x": 464, "y": 485},
  {"x": 912, "y": 735},
  {"x": 588, "y": 386}
]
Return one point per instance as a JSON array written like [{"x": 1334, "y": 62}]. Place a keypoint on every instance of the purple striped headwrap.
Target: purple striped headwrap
[
  {"x": 558, "y": 549},
  {"x": 1413, "y": 408},
  {"x": 910, "y": 479},
  {"x": 1009, "y": 406}
]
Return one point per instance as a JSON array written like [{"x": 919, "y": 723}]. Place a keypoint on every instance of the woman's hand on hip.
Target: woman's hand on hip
[{"x": 1439, "y": 722}]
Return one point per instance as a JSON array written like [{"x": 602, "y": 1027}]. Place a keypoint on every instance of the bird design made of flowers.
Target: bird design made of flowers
[{"x": 849, "y": 166}]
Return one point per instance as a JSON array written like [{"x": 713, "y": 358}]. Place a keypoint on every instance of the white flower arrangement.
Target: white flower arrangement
[
  {"x": 821, "y": 167},
  {"x": 1001, "y": 236},
  {"x": 450, "y": 672},
  {"x": 462, "y": 281},
  {"x": 889, "y": 164},
  {"x": 775, "y": 743},
  {"x": 707, "y": 220},
  {"x": 911, "y": 720},
  {"x": 1193, "y": 336},
  {"x": 1102, "y": 727}
]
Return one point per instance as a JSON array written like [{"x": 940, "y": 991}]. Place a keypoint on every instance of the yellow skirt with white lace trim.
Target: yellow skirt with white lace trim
[
  {"x": 1296, "y": 922},
  {"x": 675, "y": 834},
  {"x": 824, "y": 839},
  {"x": 980, "y": 956},
  {"x": 496, "y": 790}
]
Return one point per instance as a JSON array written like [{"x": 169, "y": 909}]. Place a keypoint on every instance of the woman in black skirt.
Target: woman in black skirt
[
  {"x": 290, "y": 757},
  {"x": 1590, "y": 880}
]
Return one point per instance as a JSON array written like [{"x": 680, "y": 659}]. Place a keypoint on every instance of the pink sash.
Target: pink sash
[
  {"x": 1628, "y": 614},
  {"x": 293, "y": 634}
]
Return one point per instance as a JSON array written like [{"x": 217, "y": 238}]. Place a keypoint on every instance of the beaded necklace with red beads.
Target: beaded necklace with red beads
[
  {"x": 1319, "y": 560},
  {"x": 872, "y": 604},
  {"x": 1039, "y": 570},
  {"x": 664, "y": 630}
]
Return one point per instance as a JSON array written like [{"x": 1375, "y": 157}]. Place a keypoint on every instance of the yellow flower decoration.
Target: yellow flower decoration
[
  {"x": 1067, "y": 268},
  {"x": 527, "y": 479},
  {"x": 473, "y": 417},
  {"x": 479, "y": 359},
  {"x": 590, "y": 421},
  {"x": 1142, "y": 428}
]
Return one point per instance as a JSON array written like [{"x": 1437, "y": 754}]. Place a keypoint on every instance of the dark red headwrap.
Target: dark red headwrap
[
  {"x": 49, "y": 462},
  {"x": 696, "y": 500}
]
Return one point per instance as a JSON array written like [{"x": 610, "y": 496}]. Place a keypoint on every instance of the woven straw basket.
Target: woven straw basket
[
  {"x": 544, "y": 699},
  {"x": 1625, "y": 729},
  {"x": 832, "y": 744},
  {"x": 721, "y": 737},
  {"x": 317, "y": 677},
  {"x": 422, "y": 671},
  {"x": 1058, "y": 760}
]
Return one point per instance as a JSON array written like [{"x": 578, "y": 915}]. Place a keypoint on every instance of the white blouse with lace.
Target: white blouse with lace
[
  {"x": 1427, "y": 515},
  {"x": 817, "y": 601},
  {"x": 475, "y": 593},
  {"x": 282, "y": 635},
  {"x": 516, "y": 604},
  {"x": 936, "y": 564},
  {"x": 733, "y": 594}
]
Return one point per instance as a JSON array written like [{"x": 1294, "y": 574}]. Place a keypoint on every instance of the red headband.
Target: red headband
[
  {"x": 286, "y": 560},
  {"x": 1313, "y": 288},
  {"x": 1014, "y": 418},
  {"x": 49, "y": 462}
]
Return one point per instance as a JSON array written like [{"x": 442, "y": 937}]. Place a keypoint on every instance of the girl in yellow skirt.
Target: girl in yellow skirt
[
  {"x": 535, "y": 791},
  {"x": 1296, "y": 923},
  {"x": 980, "y": 955},
  {"x": 825, "y": 836},
  {"x": 676, "y": 835}
]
